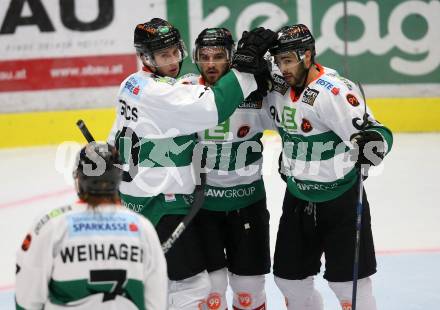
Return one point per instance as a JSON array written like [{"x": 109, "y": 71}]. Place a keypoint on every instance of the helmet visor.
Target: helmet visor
[
  {"x": 287, "y": 59},
  {"x": 169, "y": 55},
  {"x": 212, "y": 54}
]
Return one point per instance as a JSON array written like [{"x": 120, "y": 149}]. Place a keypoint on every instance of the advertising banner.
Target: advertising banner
[{"x": 71, "y": 54}]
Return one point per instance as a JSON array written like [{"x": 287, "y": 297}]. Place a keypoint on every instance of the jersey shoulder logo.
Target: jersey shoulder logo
[
  {"x": 352, "y": 100},
  {"x": 310, "y": 96},
  {"x": 26, "y": 242},
  {"x": 328, "y": 85},
  {"x": 279, "y": 84},
  {"x": 47, "y": 217},
  {"x": 133, "y": 86}
]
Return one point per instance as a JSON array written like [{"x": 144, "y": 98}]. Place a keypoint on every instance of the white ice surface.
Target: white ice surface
[{"x": 403, "y": 200}]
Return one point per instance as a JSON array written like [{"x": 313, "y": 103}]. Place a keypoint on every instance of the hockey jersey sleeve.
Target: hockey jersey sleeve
[
  {"x": 343, "y": 113},
  {"x": 156, "y": 277},
  {"x": 192, "y": 108},
  {"x": 34, "y": 267}
]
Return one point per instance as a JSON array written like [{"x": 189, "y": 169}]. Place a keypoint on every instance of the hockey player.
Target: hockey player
[
  {"x": 93, "y": 254},
  {"x": 234, "y": 221},
  {"x": 317, "y": 117},
  {"x": 155, "y": 132}
]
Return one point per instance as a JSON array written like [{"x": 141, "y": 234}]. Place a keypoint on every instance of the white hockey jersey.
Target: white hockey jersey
[
  {"x": 233, "y": 154},
  {"x": 155, "y": 133},
  {"x": 79, "y": 257},
  {"x": 315, "y": 127}
]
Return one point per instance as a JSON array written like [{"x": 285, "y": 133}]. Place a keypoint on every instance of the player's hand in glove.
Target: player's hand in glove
[
  {"x": 251, "y": 49},
  {"x": 369, "y": 148},
  {"x": 264, "y": 79}
]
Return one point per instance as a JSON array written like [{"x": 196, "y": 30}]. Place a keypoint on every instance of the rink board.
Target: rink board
[{"x": 44, "y": 128}]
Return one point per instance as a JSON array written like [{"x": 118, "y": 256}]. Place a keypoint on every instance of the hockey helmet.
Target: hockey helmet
[
  {"x": 156, "y": 35},
  {"x": 296, "y": 38},
  {"x": 214, "y": 38},
  {"x": 98, "y": 172}
]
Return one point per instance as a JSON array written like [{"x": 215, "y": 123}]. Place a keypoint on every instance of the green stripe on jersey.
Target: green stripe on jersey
[
  {"x": 166, "y": 152},
  {"x": 234, "y": 197},
  {"x": 63, "y": 292},
  {"x": 317, "y": 147},
  {"x": 385, "y": 133},
  {"x": 153, "y": 208},
  {"x": 321, "y": 191},
  {"x": 228, "y": 95},
  {"x": 18, "y": 307},
  {"x": 231, "y": 156}
]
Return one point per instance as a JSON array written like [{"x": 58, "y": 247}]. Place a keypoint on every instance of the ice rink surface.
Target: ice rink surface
[{"x": 403, "y": 198}]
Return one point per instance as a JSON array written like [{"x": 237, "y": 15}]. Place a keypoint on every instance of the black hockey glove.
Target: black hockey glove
[
  {"x": 264, "y": 79},
  {"x": 251, "y": 49},
  {"x": 369, "y": 148}
]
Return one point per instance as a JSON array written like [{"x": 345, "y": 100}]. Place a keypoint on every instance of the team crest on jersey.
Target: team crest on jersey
[
  {"x": 352, "y": 100},
  {"x": 306, "y": 126},
  {"x": 310, "y": 96},
  {"x": 243, "y": 131},
  {"x": 26, "y": 242}
]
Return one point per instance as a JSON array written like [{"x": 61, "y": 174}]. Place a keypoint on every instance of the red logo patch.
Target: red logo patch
[
  {"x": 335, "y": 91},
  {"x": 243, "y": 131},
  {"x": 306, "y": 126},
  {"x": 352, "y": 100},
  {"x": 346, "y": 305},
  {"x": 214, "y": 301},
  {"x": 244, "y": 299},
  {"x": 133, "y": 227},
  {"x": 26, "y": 242}
]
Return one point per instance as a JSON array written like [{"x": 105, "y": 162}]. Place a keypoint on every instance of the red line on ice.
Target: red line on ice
[
  {"x": 37, "y": 198},
  {"x": 7, "y": 287},
  {"x": 407, "y": 251}
]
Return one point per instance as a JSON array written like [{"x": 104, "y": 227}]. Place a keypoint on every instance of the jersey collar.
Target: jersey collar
[{"x": 293, "y": 96}]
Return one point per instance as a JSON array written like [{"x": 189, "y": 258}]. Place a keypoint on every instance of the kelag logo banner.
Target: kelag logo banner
[{"x": 389, "y": 42}]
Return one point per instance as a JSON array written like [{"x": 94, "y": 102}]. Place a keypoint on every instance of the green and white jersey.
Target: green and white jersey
[
  {"x": 79, "y": 257},
  {"x": 233, "y": 155},
  {"x": 155, "y": 133},
  {"x": 315, "y": 127}
]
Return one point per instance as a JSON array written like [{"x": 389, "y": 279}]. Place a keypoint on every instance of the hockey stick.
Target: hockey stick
[
  {"x": 199, "y": 199},
  {"x": 85, "y": 131},
  {"x": 359, "y": 209}
]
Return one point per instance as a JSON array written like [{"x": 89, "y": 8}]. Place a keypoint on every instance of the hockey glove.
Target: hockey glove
[
  {"x": 369, "y": 148},
  {"x": 251, "y": 49}
]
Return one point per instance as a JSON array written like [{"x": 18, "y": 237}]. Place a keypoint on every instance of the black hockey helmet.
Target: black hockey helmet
[
  {"x": 155, "y": 35},
  {"x": 214, "y": 37},
  {"x": 98, "y": 172},
  {"x": 296, "y": 38}
]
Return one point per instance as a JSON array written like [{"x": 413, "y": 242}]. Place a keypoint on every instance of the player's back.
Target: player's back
[{"x": 97, "y": 257}]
